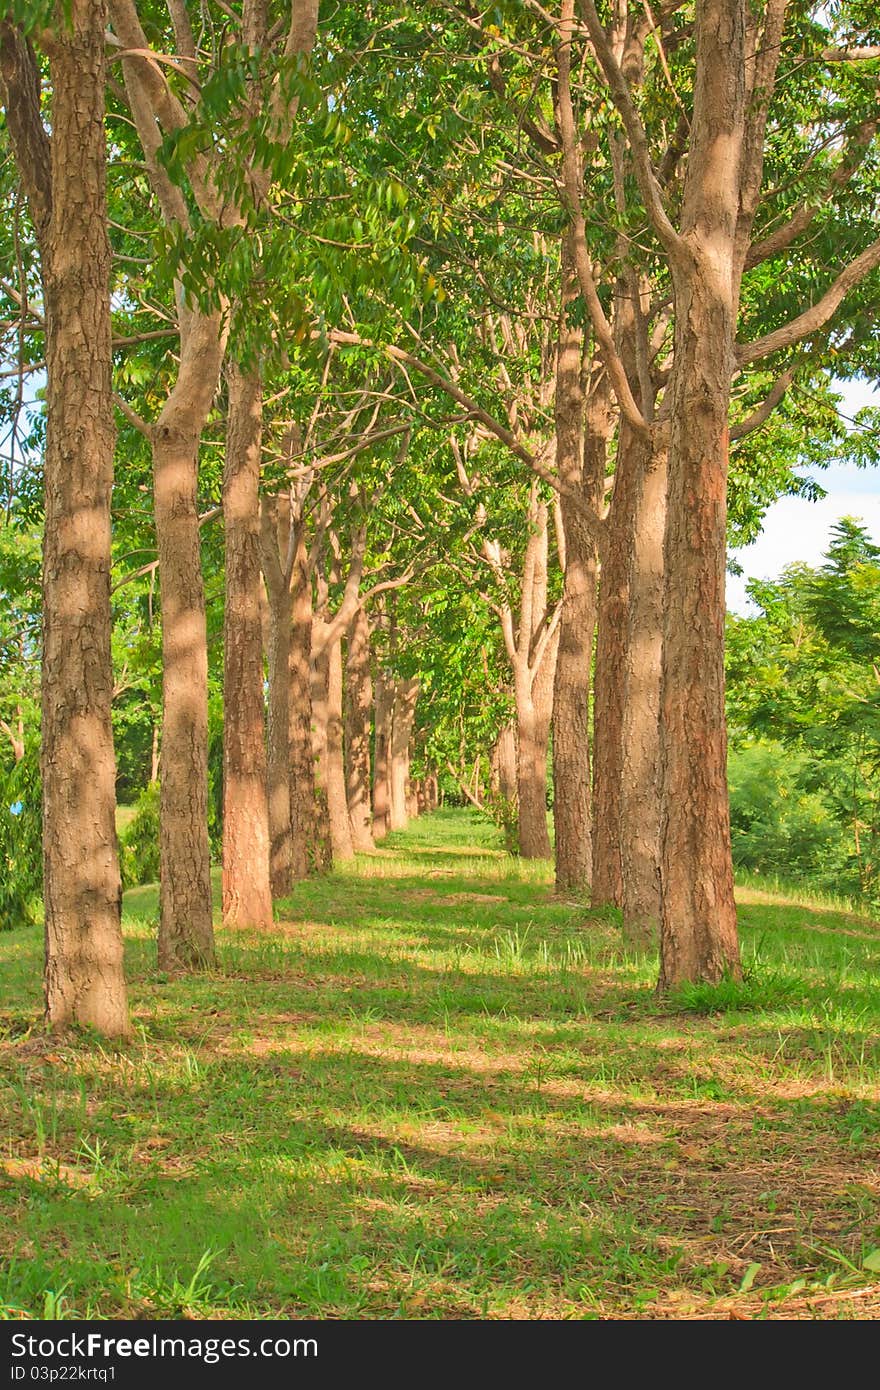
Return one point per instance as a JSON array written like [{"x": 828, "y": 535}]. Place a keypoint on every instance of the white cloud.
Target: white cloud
[
  {"x": 795, "y": 529},
  {"x": 798, "y": 530}
]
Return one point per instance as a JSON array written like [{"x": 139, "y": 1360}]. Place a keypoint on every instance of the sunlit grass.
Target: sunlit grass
[{"x": 436, "y": 1090}]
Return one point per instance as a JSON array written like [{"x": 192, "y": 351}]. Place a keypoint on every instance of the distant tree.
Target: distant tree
[{"x": 806, "y": 672}]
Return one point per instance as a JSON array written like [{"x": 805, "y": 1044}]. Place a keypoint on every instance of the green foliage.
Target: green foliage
[
  {"x": 21, "y": 847},
  {"x": 32, "y": 15},
  {"x": 780, "y": 823},
  {"x": 803, "y": 673},
  {"x": 139, "y": 842},
  {"x": 504, "y": 812}
]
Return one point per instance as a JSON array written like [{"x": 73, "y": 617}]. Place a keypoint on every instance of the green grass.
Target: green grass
[{"x": 436, "y": 1090}]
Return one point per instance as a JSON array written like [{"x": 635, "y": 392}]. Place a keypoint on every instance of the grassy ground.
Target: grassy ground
[{"x": 437, "y": 1091}]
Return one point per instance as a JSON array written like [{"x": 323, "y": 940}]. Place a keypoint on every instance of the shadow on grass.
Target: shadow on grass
[
  {"x": 442, "y": 1097},
  {"x": 349, "y": 1185}
]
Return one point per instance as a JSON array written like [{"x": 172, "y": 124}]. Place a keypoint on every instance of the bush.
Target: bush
[
  {"x": 139, "y": 842},
  {"x": 505, "y": 813},
  {"x": 781, "y": 825},
  {"x": 21, "y": 840}
]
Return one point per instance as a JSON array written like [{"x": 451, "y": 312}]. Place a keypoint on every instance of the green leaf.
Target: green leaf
[{"x": 749, "y": 1278}]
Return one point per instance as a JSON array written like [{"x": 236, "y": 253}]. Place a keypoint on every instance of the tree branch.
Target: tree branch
[
  {"x": 817, "y": 315},
  {"x": 619, "y": 87},
  {"x": 572, "y": 178},
  {"x": 765, "y": 409},
  {"x": 863, "y": 54},
  {"x": 132, "y": 417},
  {"x": 475, "y": 412},
  {"x": 803, "y": 216},
  {"x": 20, "y": 87}
]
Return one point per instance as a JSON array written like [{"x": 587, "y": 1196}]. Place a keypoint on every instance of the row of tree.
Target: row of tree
[{"x": 445, "y": 320}]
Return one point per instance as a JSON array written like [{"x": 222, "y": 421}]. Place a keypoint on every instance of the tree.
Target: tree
[
  {"x": 737, "y": 57},
  {"x": 804, "y": 673},
  {"x": 247, "y": 895},
  {"x": 64, "y": 177}
]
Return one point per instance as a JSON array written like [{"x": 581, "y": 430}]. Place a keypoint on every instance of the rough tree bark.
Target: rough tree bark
[
  {"x": 698, "y": 914},
  {"x": 534, "y": 659},
  {"x": 306, "y": 851},
  {"x": 358, "y": 712},
  {"x": 582, "y": 432},
  {"x": 186, "y": 937},
  {"x": 609, "y": 694},
  {"x": 319, "y": 686},
  {"x": 247, "y": 896},
  {"x": 698, "y": 938},
  {"x": 404, "y": 710},
  {"x": 571, "y": 726},
  {"x": 186, "y": 932},
  {"x": 542, "y": 700},
  {"x": 247, "y": 813},
  {"x": 337, "y": 800},
  {"x": 291, "y": 775},
  {"x": 640, "y": 786},
  {"x": 384, "y": 704},
  {"x": 327, "y": 631},
  {"x": 276, "y": 560},
  {"x": 502, "y": 773},
  {"x": 737, "y": 55},
  {"x": 533, "y": 835},
  {"x": 65, "y": 183}
]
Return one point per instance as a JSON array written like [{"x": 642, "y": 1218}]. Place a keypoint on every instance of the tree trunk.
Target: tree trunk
[
  {"x": 278, "y": 741},
  {"x": 84, "y": 980},
  {"x": 276, "y": 543},
  {"x": 572, "y": 809},
  {"x": 15, "y": 733},
  {"x": 609, "y": 692},
  {"x": 306, "y": 851},
  {"x": 534, "y": 663},
  {"x": 698, "y": 937},
  {"x": 320, "y": 693},
  {"x": 404, "y": 709},
  {"x": 502, "y": 775},
  {"x": 382, "y": 757},
  {"x": 154, "y": 754},
  {"x": 247, "y": 897},
  {"x": 186, "y": 933},
  {"x": 358, "y": 709},
  {"x": 337, "y": 801},
  {"x": 580, "y": 461},
  {"x": 542, "y": 703},
  {"x": 640, "y": 788},
  {"x": 531, "y": 775}
]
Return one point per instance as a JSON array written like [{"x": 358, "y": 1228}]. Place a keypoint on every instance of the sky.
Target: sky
[{"x": 796, "y": 529}]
